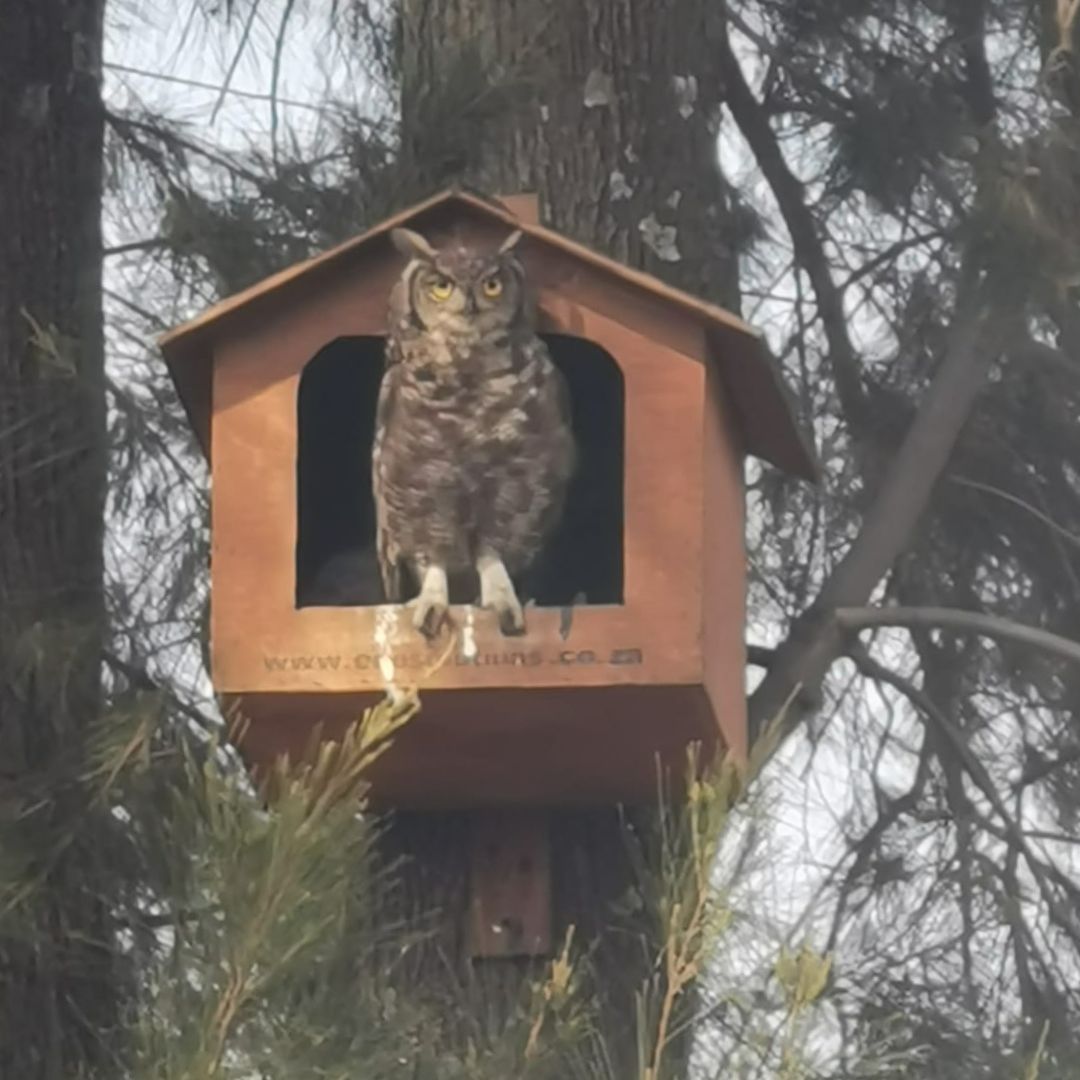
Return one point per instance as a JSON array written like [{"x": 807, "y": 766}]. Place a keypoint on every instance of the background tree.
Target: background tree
[
  {"x": 59, "y": 979},
  {"x": 921, "y": 158}
]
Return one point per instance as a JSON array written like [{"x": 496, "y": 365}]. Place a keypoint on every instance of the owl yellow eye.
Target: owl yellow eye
[
  {"x": 440, "y": 289},
  {"x": 492, "y": 287}
]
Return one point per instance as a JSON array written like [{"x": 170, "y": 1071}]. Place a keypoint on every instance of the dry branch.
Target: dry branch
[
  {"x": 816, "y": 638},
  {"x": 753, "y": 122},
  {"x": 991, "y": 626}
]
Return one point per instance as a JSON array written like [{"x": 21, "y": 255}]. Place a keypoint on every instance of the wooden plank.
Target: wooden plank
[
  {"x": 525, "y": 206},
  {"x": 761, "y": 408},
  {"x": 509, "y": 885},
  {"x": 490, "y": 209},
  {"x": 525, "y": 747},
  {"x": 724, "y": 569}
]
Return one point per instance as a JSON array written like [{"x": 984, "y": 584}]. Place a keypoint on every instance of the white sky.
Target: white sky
[{"x": 165, "y": 43}]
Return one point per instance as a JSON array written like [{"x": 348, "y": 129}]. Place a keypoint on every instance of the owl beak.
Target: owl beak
[{"x": 470, "y": 303}]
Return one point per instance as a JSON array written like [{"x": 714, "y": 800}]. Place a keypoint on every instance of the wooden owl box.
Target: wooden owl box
[{"x": 634, "y": 634}]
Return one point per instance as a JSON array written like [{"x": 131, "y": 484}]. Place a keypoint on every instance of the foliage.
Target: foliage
[
  {"x": 913, "y": 844},
  {"x": 254, "y": 922}
]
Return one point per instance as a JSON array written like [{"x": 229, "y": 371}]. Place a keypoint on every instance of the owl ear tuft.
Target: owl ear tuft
[
  {"x": 412, "y": 245},
  {"x": 510, "y": 242}
]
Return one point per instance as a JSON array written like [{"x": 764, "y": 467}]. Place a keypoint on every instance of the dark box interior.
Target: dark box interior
[{"x": 335, "y": 554}]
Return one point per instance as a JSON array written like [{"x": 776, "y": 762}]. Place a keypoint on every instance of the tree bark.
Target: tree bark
[
  {"x": 57, "y": 999},
  {"x": 609, "y": 111}
]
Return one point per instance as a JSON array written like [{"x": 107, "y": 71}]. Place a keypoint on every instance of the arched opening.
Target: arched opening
[
  {"x": 335, "y": 551},
  {"x": 335, "y": 548}
]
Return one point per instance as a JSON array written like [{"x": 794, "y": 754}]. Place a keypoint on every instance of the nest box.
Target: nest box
[{"x": 634, "y": 645}]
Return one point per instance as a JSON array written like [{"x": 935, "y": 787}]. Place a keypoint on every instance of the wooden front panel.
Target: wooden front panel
[{"x": 260, "y": 641}]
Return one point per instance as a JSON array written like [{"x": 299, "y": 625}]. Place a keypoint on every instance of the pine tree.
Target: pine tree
[{"x": 60, "y": 983}]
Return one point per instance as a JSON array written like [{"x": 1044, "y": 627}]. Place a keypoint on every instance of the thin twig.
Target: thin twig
[
  {"x": 977, "y": 622},
  {"x": 279, "y": 49},
  {"x": 1048, "y": 521},
  {"x": 1040, "y": 871},
  {"x": 244, "y": 37},
  {"x": 199, "y": 84},
  {"x": 151, "y": 244}
]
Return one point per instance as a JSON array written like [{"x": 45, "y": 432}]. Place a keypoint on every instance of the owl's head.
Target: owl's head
[{"x": 459, "y": 288}]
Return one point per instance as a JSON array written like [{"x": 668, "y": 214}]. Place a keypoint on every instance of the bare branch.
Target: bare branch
[
  {"x": 154, "y": 243},
  {"x": 991, "y": 626},
  {"x": 1043, "y": 873},
  {"x": 759, "y": 655},
  {"x": 1048, "y": 521},
  {"x": 275, "y": 78},
  {"x": 200, "y": 84},
  {"x": 754, "y": 124},
  {"x": 227, "y": 83},
  {"x": 816, "y": 638}
]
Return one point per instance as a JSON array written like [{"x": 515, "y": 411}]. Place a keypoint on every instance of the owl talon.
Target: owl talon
[
  {"x": 433, "y": 604},
  {"x": 511, "y": 621},
  {"x": 497, "y": 593},
  {"x": 429, "y": 617}
]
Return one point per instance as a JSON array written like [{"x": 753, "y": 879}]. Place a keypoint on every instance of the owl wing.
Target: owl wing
[
  {"x": 389, "y": 557},
  {"x": 555, "y": 393},
  {"x": 563, "y": 406},
  {"x": 553, "y": 421}
]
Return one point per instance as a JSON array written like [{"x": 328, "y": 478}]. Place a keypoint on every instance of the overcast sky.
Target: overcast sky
[{"x": 150, "y": 42}]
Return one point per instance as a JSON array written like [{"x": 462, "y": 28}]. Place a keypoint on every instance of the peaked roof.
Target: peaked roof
[{"x": 774, "y": 437}]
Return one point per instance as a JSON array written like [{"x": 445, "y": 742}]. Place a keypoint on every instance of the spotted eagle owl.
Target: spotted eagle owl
[{"x": 473, "y": 446}]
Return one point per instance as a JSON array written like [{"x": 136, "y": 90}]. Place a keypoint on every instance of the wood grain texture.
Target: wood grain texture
[
  {"x": 724, "y": 566},
  {"x": 577, "y": 709},
  {"x": 525, "y": 206},
  {"x": 509, "y": 885},
  {"x": 483, "y": 748},
  {"x": 261, "y": 642}
]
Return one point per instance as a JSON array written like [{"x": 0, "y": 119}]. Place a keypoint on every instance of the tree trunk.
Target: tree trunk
[
  {"x": 56, "y": 985},
  {"x": 609, "y": 111}
]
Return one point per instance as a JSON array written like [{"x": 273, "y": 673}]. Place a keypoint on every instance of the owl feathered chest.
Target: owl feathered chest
[
  {"x": 472, "y": 451},
  {"x": 476, "y": 405}
]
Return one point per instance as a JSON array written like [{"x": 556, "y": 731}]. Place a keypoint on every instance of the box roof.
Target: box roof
[{"x": 757, "y": 389}]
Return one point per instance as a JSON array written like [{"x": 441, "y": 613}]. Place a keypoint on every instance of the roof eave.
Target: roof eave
[
  {"x": 758, "y": 390},
  {"x": 748, "y": 369},
  {"x": 231, "y": 306}
]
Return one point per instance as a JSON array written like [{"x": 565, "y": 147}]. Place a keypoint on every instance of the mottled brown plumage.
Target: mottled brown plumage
[{"x": 473, "y": 445}]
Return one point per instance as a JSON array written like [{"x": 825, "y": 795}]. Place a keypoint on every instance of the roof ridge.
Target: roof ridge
[{"x": 486, "y": 204}]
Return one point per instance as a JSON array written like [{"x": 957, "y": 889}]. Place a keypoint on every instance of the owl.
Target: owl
[{"x": 473, "y": 448}]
